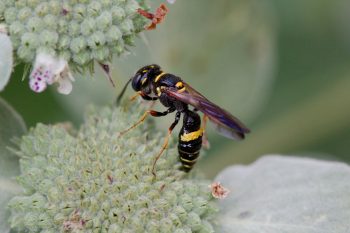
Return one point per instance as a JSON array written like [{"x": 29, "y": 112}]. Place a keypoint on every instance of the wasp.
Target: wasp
[{"x": 153, "y": 84}]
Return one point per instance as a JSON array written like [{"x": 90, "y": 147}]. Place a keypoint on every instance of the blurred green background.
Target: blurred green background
[{"x": 281, "y": 66}]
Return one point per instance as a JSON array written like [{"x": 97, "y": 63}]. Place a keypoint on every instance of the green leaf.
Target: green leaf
[
  {"x": 11, "y": 125},
  {"x": 6, "y": 59},
  {"x": 286, "y": 194}
]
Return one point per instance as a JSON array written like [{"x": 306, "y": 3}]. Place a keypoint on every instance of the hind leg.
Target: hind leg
[{"x": 165, "y": 144}]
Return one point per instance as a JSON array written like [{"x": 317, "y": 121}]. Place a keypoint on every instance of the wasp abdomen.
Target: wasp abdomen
[{"x": 190, "y": 140}]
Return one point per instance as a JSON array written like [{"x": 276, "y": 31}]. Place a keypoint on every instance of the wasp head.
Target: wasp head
[{"x": 143, "y": 75}]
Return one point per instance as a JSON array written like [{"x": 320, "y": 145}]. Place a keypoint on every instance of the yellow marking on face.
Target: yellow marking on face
[
  {"x": 144, "y": 71},
  {"x": 158, "y": 91},
  {"x": 143, "y": 81},
  {"x": 152, "y": 66},
  {"x": 159, "y": 76},
  {"x": 181, "y": 90},
  {"x": 188, "y": 161},
  {"x": 179, "y": 84},
  {"x": 192, "y": 136}
]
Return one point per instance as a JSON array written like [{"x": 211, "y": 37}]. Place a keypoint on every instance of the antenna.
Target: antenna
[{"x": 122, "y": 92}]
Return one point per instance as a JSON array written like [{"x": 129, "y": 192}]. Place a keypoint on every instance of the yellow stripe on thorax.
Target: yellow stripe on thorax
[
  {"x": 191, "y": 136},
  {"x": 159, "y": 76}
]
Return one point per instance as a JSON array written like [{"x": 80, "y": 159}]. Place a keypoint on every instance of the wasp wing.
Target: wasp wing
[{"x": 225, "y": 123}]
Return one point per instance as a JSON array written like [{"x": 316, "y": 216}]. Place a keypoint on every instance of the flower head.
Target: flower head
[
  {"x": 94, "y": 181},
  {"x": 74, "y": 33}
]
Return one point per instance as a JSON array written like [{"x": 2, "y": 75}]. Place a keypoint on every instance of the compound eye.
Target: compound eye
[{"x": 136, "y": 82}]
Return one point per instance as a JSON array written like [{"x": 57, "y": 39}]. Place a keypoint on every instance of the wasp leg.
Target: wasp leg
[
  {"x": 152, "y": 104},
  {"x": 144, "y": 96},
  {"x": 143, "y": 117},
  {"x": 165, "y": 144},
  {"x": 137, "y": 94},
  {"x": 205, "y": 141}
]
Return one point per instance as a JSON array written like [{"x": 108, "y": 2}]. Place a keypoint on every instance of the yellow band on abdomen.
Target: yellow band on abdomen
[
  {"x": 191, "y": 136},
  {"x": 189, "y": 161}
]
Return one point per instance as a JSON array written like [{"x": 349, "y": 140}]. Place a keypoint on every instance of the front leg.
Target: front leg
[
  {"x": 144, "y": 96},
  {"x": 143, "y": 117}
]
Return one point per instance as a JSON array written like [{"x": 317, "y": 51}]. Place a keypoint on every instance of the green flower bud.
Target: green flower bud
[
  {"x": 25, "y": 53},
  {"x": 74, "y": 29},
  {"x": 100, "y": 54},
  {"x": 24, "y": 13},
  {"x": 77, "y": 44},
  {"x": 10, "y": 15},
  {"x": 94, "y": 8},
  {"x": 88, "y": 26},
  {"x": 42, "y": 9},
  {"x": 104, "y": 21},
  {"x": 126, "y": 26},
  {"x": 113, "y": 33},
  {"x": 55, "y": 7},
  {"x": 95, "y": 181},
  {"x": 97, "y": 40},
  {"x": 51, "y": 22},
  {"x": 35, "y": 24},
  {"x": 33, "y": 3},
  {"x": 118, "y": 14},
  {"x": 82, "y": 57},
  {"x": 48, "y": 38},
  {"x": 16, "y": 28},
  {"x": 101, "y": 24}
]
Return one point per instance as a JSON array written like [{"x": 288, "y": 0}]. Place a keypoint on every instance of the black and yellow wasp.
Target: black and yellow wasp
[{"x": 152, "y": 84}]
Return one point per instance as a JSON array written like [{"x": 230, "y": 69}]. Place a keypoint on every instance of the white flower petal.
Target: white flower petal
[
  {"x": 37, "y": 84},
  {"x": 43, "y": 68},
  {"x": 48, "y": 70},
  {"x": 6, "y": 60},
  {"x": 60, "y": 66},
  {"x": 65, "y": 86},
  {"x": 45, "y": 60}
]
